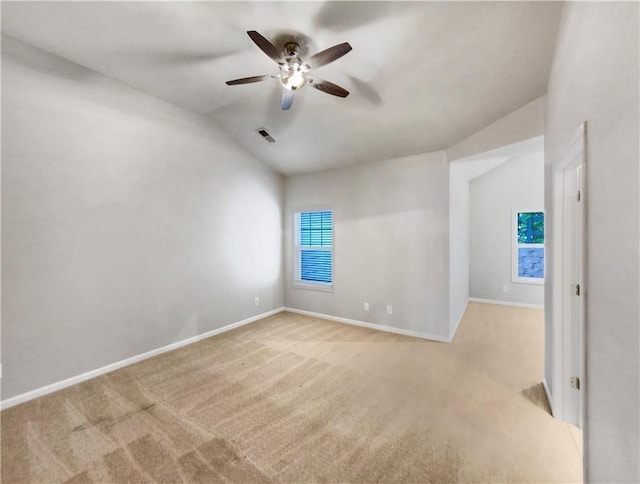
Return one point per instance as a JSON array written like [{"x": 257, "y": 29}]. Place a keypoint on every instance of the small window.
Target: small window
[
  {"x": 314, "y": 250},
  {"x": 528, "y": 247}
]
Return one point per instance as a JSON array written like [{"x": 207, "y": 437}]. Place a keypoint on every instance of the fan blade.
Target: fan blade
[
  {"x": 247, "y": 80},
  {"x": 328, "y": 55},
  {"x": 328, "y": 87},
  {"x": 287, "y": 99},
  {"x": 267, "y": 47}
]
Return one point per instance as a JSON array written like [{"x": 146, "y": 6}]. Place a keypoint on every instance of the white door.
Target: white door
[
  {"x": 569, "y": 285},
  {"x": 574, "y": 290}
]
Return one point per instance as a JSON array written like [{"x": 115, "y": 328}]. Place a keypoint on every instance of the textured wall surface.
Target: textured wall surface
[
  {"x": 127, "y": 223},
  {"x": 517, "y": 184},
  {"x": 391, "y": 224},
  {"x": 595, "y": 79}
]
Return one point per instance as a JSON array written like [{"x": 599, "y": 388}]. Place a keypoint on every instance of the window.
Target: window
[
  {"x": 314, "y": 249},
  {"x": 528, "y": 247}
]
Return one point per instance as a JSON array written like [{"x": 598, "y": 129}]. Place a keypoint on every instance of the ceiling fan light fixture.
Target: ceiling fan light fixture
[
  {"x": 293, "y": 75},
  {"x": 293, "y": 80},
  {"x": 293, "y": 70}
]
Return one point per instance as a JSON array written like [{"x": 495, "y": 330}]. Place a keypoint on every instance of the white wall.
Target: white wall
[
  {"x": 461, "y": 172},
  {"x": 458, "y": 242},
  {"x": 520, "y": 125},
  {"x": 515, "y": 184},
  {"x": 127, "y": 223},
  {"x": 391, "y": 242},
  {"x": 595, "y": 78}
]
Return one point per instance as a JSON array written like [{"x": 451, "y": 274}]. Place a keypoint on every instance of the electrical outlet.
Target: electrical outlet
[
  {"x": 257, "y": 301},
  {"x": 366, "y": 306},
  {"x": 389, "y": 309},
  {"x": 505, "y": 288}
]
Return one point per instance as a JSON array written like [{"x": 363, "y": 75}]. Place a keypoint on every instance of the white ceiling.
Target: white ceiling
[{"x": 422, "y": 75}]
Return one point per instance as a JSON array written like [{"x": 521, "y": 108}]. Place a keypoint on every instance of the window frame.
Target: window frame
[
  {"x": 515, "y": 278},
  {"x": 297, "y": 282}
]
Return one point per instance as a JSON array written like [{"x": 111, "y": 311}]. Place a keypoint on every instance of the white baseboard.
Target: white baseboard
[
  {"x": 506, "y": 303},
  {"x": 379, "y": 327},
  {"x": 547, "y": 392},
  {"x": 455, "y": 327},
  {"x": 10, "y": 402}
]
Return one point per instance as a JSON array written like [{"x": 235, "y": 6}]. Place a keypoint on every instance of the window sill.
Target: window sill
[
  {"x": 528, "y": 280},
  {"x": 314, "y": 286}
]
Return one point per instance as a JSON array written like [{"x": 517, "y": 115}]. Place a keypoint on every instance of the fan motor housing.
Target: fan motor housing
[{"x": 291, "y": 49}]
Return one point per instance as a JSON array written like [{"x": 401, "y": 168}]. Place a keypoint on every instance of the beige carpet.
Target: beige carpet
[{"x": 297, "y": 399}]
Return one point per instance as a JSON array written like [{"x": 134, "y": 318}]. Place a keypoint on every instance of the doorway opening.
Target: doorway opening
[
  {"x": 497, "y": 228},
  {"x": 503, "y": 250}
]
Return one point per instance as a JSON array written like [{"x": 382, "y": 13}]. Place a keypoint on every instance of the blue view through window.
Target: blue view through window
[
  {"x": 531, "y": 262},
  {"x": 531, "y": 227},
  {"x": 530, "y": 240},
  {"x": 316, "y": 239}
]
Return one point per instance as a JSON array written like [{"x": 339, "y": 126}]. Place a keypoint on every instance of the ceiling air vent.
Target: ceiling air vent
[{"x": 263, "y": 132}]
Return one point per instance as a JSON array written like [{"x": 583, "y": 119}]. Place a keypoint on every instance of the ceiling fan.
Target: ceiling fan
[{"x": 294, "y": 71}]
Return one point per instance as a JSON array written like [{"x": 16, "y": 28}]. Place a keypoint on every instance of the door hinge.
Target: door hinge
[
  {"x": 578, "y": 194},
  {"x": 575, "y": 289},
  {"x": 575, "y": 382}
]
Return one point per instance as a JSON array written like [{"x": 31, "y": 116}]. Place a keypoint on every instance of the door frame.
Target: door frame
[{"x": 574, "y": 155}]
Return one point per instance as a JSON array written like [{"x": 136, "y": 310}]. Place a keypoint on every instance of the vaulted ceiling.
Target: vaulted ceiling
[{"x": 422, "y": 75}]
